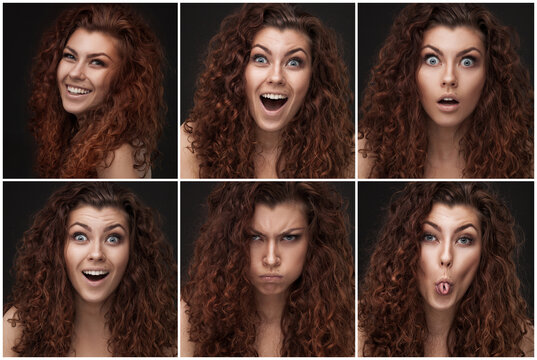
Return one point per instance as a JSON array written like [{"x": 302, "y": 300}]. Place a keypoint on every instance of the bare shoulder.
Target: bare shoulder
[
  {"x": 187, "y": 346},
  {"x": 12, "y": 333},
  {"x": 527, "y": 342},
  {"x": 361, "y": 341},
  {"x": 189, "y": 161},
  {"x": 120, "y": 165},
  {"x": 365, "y": 164}
]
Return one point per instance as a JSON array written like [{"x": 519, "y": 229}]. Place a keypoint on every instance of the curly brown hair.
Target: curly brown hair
[
  {"x": 131, "y": 113},
  {"x": 143, "y": 313},
  {"x": 491, "y": 319},
  {"x": 319, "y": 143},
  {"x": 498, "y": 142},
  {"x": 318, "y": 319}
]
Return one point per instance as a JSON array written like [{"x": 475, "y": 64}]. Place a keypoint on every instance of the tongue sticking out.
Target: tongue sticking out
[
  {"x": 443, "y": 288},
  {"x": 272, "y": 105}
]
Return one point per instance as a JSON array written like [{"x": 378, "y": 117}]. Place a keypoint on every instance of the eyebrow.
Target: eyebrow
[
  {"x": 94, "y": 55},
  {"x": 282, "y": 233},
  {"x": 88, "y": 228},
  {"x": 460, "y": 228},
  {"x": 460, "y": 53},
  {"x": 290, "y": 52}
]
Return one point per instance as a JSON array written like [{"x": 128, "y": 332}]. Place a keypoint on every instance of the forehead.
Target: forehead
[
  {"x": 84, "y": 41},
  {"x": 274, "y": 38},
  {"x": 454, "y": 39},
  {"x": 92, "y": 215},
  {"x": 279, "y": 216},
  {"x": 447, "y": 216}
]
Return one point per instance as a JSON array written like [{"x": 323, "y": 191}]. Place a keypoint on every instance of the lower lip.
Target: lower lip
[
  {"x": 448, "y": 108},
  {"x": 95, "y": 283},
  {"x": 271, "y": 279}
]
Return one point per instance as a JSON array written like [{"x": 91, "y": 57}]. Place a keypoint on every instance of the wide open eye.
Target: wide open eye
[{"x": 432, "y": 60}]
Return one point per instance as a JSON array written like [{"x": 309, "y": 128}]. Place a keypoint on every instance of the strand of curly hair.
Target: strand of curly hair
[
  {"x": 498, "y": 142},
  {"x": 317, "y": 143},
  {"x": 142, "y": 317},
  {"x": 491, "y": 319},
  {"x": 318, "y": 318},
  {"x": 131, "y": 113}
]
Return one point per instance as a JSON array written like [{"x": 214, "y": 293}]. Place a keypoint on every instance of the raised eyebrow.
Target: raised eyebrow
[
  {"x": 91, "y": 56},
  {"x": 460, "y": 53},
  {"x": 113, "y": 226},
  {"x": 87, "y": 227},
  {"x": 290, "y": 52}
]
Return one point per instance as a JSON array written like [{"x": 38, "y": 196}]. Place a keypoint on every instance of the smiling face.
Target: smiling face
[
  {"x": 450, "y": 252},
  {"x": 278, "y": 246},
  {"x": 452, "y": 73},
  {"x": 85, "y": 71},
  {"x": 277, "y": 77},
  {"x": 96, "y": 251}
]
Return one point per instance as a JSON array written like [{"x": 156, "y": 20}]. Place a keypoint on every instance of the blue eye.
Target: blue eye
[
  {"x": 68, "y": 56},
  {"x": 97, "y": 62},
  {"x": 429, "y": 237},
  {"x": 432, "y": 60},
  {"x": 260, "y": 59},
  {"x": 255, "y": 237},
  {"x": 113, "y": 239},
  {"x": 295, "y": 62},
  {"x": 468, "y": 62},
  {"x": 290, "y": 237},
  {"x": 80, "y": 237},
  {"x": 465, "y": 240}
]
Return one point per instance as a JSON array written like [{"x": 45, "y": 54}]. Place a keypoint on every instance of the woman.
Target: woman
[
  {"x": 442, "y": 280},
  {"x": 271, "y": 275},
  {"x": 94, "y": 277},
  {"x": 272, "y": 102},
  {"x": 97, "y": 95},
  {"x": 447, "y": 98}
]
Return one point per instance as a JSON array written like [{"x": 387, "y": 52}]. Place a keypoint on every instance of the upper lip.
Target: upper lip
[
  {"x": 448, "y": 96},
  {"x": 96, "y": 270},
  {"x": 273, "y": 93},
  {"x": 270, "y": 275}
]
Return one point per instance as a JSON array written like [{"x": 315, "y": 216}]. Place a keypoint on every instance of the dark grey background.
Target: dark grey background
[
  {"x": 22, "y": 200},
  {"x": 375, "y": 21},
  {"x": 374, "y": 199},
  {"x": 200, "y": 22},
  {"x": 194, "y": 214},
  {"x": 24, "y": 25}
]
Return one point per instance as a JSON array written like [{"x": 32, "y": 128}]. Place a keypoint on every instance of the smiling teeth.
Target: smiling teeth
[
  {"x": 274, "y": 96},
  {"x": 95, "y": 272},
  {"x": 75, "y": 90}
]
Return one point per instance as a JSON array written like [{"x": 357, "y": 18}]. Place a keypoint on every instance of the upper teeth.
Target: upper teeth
[
  {"x": 448, "y": 99},
  {"x": 274, "y": 96},
  {"x": 95, "y": 272},
  {"x": 77, "y": 90}
]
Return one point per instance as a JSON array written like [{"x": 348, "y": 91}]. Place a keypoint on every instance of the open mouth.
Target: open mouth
[
  {"x": 77, "y": 91},
  {"x": 95, "y": 275},
  {"x": 448, "y": 101},
  {"x": 273, "y": 102}
]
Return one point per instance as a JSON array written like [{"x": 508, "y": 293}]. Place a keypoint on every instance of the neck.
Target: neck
[
  {"x": 443, "y": 142},
  {"x": 268, "y": 142},
  {"x": 90, "y": 317},
  {"x": 270, "y": 307},
  {"x": 438, "y": 325}
]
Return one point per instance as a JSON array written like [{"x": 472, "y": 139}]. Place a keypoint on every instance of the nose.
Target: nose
[
  {"x": 276, "y": 75},
  {"x": 96, "y": 251},
  {"x": 449, "y": 78},
  {"x": 446, "y": 255},
  {"x": 272, "y": 254},
  {"x": 77, "y": 71}
]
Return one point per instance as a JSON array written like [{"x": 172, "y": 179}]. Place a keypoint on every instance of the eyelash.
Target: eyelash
[
  {"x": 255, "y": 58},
  {"x": 97, "y": 62},
  {"x": 117, "y": 236},
  {"x": 292, "y": 237},
  {"x": 465, "y": 237},
  {"x": 473, "y": 59}
]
